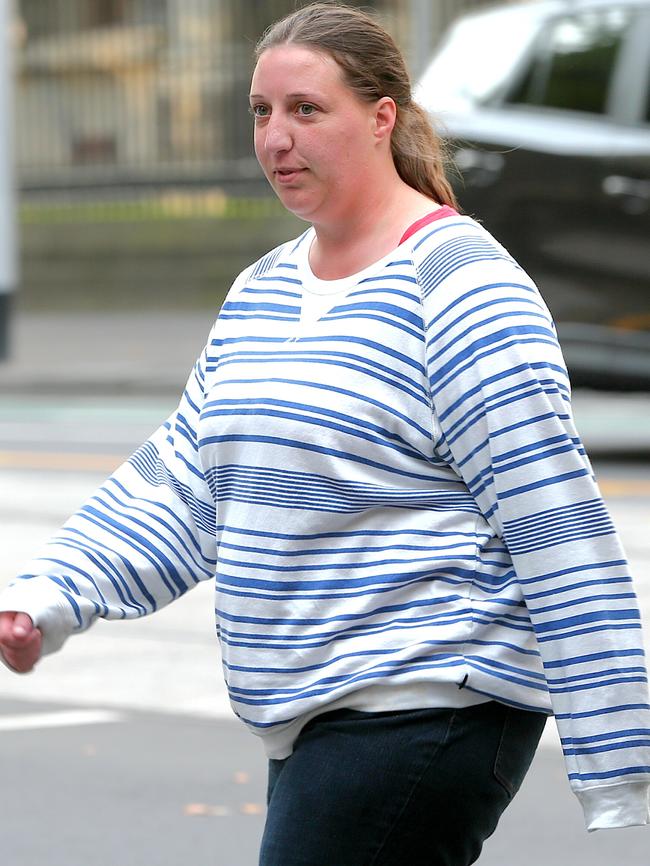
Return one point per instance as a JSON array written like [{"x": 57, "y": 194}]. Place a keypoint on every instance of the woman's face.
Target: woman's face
[{"x": 314, "y": 138}]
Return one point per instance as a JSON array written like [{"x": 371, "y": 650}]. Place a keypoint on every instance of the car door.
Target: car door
[
  {"x": 625, "y": 180},
  {"x": 572, "y": 186}
]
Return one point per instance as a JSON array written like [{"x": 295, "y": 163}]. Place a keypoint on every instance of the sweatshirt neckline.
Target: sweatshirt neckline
[{"x": 315, "y": 285}]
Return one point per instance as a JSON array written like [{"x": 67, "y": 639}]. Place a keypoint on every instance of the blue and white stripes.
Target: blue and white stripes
[{"x": 395, "y": 503}]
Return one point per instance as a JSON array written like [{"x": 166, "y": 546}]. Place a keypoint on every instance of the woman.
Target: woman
[{"x": 376, "y": 456}]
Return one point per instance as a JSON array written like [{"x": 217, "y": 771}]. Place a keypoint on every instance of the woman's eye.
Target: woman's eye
[
  {"x": 259, "y": 110},
  {"x": 305, "y": 109}
]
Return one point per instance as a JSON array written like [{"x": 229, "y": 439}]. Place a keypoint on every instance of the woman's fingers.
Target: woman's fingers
[{"x": 20, "y": 641}]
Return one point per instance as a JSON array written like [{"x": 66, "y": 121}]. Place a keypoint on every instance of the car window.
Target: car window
[
  {"x": 476, "y": 59},
  {"x": 573, "y": 66}
]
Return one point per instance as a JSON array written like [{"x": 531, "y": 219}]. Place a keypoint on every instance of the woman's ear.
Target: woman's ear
[{"x": 385, "y": 115}]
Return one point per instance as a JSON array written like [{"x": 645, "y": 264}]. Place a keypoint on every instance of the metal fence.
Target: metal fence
[{"x": 115, "y": 97}]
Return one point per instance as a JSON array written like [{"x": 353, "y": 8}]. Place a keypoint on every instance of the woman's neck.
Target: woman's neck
[{"x": 347, "y": 245}]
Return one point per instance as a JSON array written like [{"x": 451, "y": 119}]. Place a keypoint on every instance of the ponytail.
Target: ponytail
[{"x": 420, "y": 155}]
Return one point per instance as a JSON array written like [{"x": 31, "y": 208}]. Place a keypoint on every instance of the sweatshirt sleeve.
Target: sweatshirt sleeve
[
  {"x": 502, "y": 413},
  {"x": 141, "y": 541}
]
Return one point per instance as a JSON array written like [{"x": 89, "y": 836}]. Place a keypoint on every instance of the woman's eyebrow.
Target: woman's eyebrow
[{"x": 288, "y": 96}]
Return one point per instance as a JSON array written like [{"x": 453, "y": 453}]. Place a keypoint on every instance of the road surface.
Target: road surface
[{"x": 122, "y": 749}]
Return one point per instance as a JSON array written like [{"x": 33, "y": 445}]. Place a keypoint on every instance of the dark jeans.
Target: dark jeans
[{"x": 407, "y": 788}]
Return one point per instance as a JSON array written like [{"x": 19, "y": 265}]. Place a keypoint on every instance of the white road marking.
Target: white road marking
[{"x": 61, "y": 719}]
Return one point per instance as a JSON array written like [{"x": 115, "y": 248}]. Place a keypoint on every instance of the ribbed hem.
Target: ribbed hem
[
  {"x": 278, "y": 744},
  {"x": 45, "y": 605},
  {"x": 609, "y": 806}
]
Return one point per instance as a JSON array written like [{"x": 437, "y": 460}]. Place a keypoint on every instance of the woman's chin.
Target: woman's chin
[{"x": 296, "y": 203}]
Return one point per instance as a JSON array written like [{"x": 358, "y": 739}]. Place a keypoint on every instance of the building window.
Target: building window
[
  {"x": 105, "y": 13},
  {"x": 94, "y": 150}
]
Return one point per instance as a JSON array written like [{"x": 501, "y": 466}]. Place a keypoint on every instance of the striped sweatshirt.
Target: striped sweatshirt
[{"x": 395, "y": 507}]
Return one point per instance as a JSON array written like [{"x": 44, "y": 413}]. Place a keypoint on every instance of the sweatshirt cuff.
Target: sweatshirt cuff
[
  {"x": 610, "y": 806},
  {"x": 48, "y": 610}
]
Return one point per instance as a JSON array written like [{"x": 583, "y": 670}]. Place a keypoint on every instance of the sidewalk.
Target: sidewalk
[{"x": 103, "y": 353}]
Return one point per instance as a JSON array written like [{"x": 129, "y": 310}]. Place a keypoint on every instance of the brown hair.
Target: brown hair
[{"x": 373, "y": 67}]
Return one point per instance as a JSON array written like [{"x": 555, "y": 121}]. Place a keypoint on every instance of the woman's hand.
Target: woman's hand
[{"x": 20, "y": 641}]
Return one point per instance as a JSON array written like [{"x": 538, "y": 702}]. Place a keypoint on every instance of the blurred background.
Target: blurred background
[
  {"x": 132, "y": 133},
  {"x": 129, "y": 200}
]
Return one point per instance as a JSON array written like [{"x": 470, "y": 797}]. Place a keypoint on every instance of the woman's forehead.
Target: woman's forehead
[{"x": 298, "y": 62}]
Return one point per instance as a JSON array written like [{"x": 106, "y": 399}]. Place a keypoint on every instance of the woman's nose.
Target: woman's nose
[{"x": 278, "y": 137}]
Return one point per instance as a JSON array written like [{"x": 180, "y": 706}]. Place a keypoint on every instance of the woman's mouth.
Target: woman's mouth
[{"x": 287, "y": 175}]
